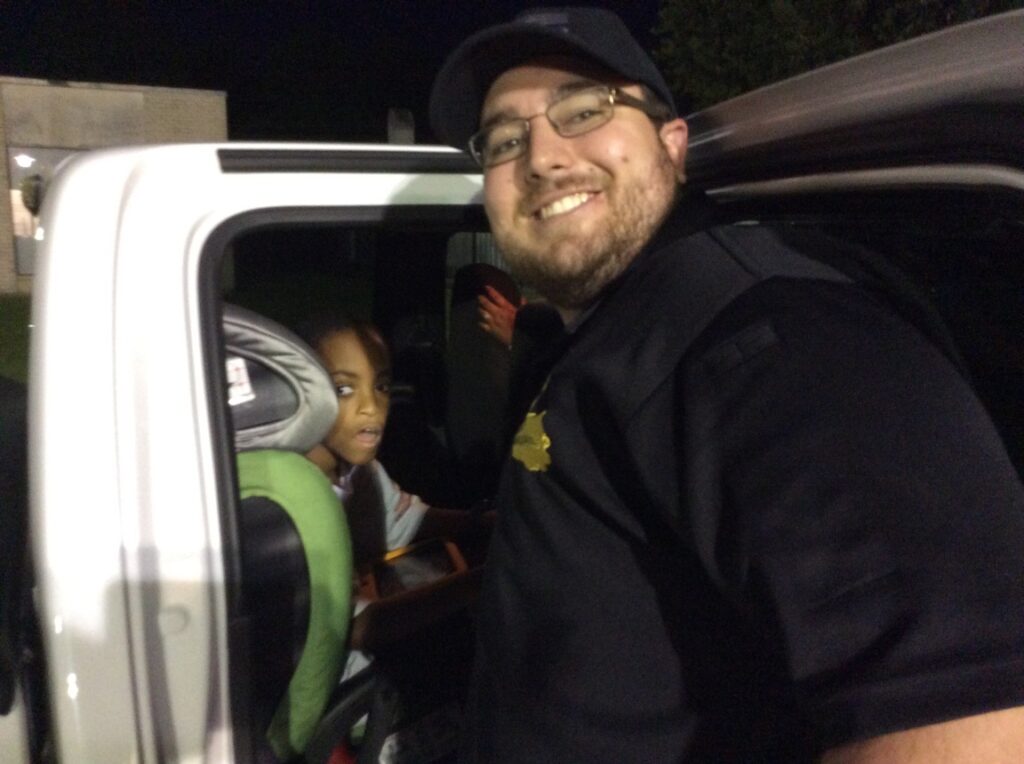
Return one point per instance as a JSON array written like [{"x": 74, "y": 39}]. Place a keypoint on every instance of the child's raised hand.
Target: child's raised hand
[{"x": 497, "y": 315}]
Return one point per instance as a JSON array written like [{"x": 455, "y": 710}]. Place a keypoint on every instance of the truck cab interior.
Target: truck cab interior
[{"x": 400, "y": 276}]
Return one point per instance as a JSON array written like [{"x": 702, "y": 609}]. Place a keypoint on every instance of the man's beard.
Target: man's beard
[{"x": 574, "y": 271}]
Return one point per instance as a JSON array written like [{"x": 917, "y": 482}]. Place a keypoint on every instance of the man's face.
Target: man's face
[{"x": 571, "y": 213}]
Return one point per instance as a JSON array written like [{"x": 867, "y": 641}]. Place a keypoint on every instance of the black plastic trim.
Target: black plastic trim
[{"x": 341, "y": 160}]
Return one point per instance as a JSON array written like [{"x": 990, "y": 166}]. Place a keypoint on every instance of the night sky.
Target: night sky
[{"x": 292, "y": 71}]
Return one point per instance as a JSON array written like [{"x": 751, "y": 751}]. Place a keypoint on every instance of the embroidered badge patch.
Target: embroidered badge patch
[{"x": 531, "y": 443}]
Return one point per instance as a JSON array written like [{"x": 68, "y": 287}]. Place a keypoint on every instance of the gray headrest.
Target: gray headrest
[{"x": 279, "y": 394}]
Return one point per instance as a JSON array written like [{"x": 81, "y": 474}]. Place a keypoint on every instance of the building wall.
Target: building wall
[
  {"x": 80, "y": 116},
  {"x": 184, "y": 116},
  {"x": 8, "y": 273}
]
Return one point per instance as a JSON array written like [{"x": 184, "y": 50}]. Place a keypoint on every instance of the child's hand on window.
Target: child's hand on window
[{"x": 497, "y": 315}]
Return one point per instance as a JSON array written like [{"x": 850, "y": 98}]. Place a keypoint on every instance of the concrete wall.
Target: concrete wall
[
  {"x": 8, "y": 273},
  {"x": 81, "y": 116}
]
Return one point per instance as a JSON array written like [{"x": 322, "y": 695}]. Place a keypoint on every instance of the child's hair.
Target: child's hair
[{"x": 320, "y": 326}]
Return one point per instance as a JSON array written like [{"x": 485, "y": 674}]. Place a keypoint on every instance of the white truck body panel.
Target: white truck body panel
[{"x": 124, "y": 510}]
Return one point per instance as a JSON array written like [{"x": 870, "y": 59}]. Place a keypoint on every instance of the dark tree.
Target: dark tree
[{"x": 711, "y": 50}]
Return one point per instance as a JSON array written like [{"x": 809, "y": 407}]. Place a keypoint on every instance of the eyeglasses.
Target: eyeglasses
[{"x": 577, "y": 113}]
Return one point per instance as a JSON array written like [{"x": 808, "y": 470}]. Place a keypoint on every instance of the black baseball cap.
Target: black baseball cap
[{"x": 595, "y": 34}]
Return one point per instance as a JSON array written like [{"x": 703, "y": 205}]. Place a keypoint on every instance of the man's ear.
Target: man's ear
[{"x": 674, "y": 135}]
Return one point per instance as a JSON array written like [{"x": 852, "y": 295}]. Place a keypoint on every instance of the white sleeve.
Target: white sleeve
[{"x": 403, "y": 512}]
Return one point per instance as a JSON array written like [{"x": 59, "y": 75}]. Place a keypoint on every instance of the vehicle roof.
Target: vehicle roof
[{"x": 955, "y": 95}]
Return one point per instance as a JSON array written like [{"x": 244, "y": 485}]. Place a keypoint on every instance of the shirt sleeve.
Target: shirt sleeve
[
  {"x": 403, "y": 512},
  {"x": 849, "y": 488}
]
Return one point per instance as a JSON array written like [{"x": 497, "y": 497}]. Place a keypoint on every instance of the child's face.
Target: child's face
[{"x": 363, "y": 397}]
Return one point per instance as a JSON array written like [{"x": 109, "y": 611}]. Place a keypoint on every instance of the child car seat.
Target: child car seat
[{"x": 296, "y": 553}]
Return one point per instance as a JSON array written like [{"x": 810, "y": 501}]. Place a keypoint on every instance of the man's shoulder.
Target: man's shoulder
[
  {"x": 787, "y": 308},
  {"x": 706, "y": 287},
  {"x": 683, "y": 284},
  {"x": 680, "y": 286}
]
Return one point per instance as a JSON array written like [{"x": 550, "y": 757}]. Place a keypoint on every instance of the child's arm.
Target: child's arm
[{"x": 409, "y": 519}]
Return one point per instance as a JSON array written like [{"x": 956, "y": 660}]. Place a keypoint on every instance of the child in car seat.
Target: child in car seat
[{"x": 380, "y": 514}]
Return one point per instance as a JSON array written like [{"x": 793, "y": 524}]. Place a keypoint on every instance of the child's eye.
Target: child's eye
[
  {"x": 384, "y": 387},
  {"x": 344, "y": 391}
]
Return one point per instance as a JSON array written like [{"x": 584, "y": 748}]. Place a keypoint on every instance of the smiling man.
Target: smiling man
[
  {"x": 753, "y": 513},
  {"x": 571, "y": 216}
]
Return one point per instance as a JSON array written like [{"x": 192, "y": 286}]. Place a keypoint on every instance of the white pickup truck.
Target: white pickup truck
[{"x": 132, "y": 645}]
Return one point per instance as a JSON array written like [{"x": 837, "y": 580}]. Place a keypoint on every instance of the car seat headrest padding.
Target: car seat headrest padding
[{"x": 280, "y": 395}]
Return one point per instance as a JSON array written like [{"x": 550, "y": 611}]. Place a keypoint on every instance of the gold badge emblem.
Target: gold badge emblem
[{"x": 531, "y": 443}]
